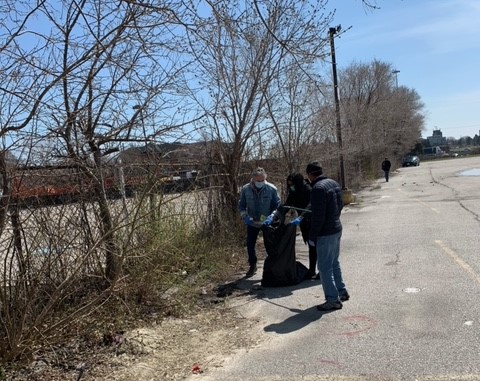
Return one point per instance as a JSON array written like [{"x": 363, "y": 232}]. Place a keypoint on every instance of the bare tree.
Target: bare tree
[
  {"x": 297, "y": 112},
  {"x": 120, "y": 76},
  {"x": 378, "y": 118},
  {"x": 245, "y": 50},
  {"x": 81, "y": 79},
  {"x": 407, "y": 121}
]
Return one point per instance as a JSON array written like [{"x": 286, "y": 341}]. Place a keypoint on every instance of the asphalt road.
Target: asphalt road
[{"x": 410, "y": 257}]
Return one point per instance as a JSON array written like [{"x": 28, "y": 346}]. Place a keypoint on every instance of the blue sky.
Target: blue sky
[{"x": 435, "y": 44}]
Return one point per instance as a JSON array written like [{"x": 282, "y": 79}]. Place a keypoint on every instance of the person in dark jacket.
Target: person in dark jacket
[
  {"x": 386, "y": 165},
  {"x": 298, "y": 196},
  {"x": 325, "y": 234}
]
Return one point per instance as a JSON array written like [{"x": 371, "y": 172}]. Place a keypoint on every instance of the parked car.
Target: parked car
[{"x": 411, "y": 161}]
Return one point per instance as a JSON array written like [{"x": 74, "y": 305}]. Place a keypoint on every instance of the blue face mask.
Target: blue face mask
[{"x": 259, "y": 184}]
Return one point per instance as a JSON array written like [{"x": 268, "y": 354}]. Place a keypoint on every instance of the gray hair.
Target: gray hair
[{"x": 259, "y": 172}]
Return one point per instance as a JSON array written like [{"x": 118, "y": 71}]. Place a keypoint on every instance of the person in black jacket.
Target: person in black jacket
[
  {"x": 386, "y": 165},
  {"x": 298, "y": 196},
  {"x": 325, "y": 234}
]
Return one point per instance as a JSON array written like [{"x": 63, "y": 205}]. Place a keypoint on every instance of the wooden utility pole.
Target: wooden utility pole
[{"x": 332, "y": 32}]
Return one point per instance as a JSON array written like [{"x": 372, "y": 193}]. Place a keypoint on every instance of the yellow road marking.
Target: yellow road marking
[
  {"x": 459, "y": 260},
  {"x": 422, "y": 203},
  {"x": 427, "y": 206}
]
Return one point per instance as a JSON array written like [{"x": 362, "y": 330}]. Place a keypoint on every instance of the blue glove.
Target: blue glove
[
  {"x": 296, "y": 221},
  {"x": 268, "y": 221},
  {"x": 247, "y": 220},
  {"x": 311, "y": 243}
]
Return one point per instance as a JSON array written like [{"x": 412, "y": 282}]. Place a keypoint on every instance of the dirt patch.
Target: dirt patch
[
  {"x": 171, "y": 349},
  {"x": 179, "y": 347}
]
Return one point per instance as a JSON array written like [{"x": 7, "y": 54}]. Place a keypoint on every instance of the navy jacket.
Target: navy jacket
[{"x": 327, "y": 205}]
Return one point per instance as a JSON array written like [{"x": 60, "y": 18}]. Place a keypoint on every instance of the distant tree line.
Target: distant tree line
[{"x": 464, "y": 141}]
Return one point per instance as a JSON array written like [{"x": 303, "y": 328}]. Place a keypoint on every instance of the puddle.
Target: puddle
[{"x": 470, "y": 172}]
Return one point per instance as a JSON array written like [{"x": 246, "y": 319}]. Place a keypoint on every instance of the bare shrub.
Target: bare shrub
[{"x": 52, "y": 274}]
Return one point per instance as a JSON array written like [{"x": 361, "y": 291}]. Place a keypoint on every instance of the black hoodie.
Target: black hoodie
[{"x": 300, "y": 197}]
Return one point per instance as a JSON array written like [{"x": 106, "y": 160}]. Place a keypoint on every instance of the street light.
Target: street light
[
  {"x": 395, "y": 72},
  {"x": 332, "y": 32}
]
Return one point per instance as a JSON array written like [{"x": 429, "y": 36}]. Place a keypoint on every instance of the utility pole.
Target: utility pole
[{"x": 332, "y": 32}]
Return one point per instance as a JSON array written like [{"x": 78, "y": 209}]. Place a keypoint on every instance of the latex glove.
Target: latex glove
[
  {"x": 268, "y": 221},
  {"x": 247, "y": 220},
  {"x": 311, "y": 243},
  {"x": 296, "y": 221}
]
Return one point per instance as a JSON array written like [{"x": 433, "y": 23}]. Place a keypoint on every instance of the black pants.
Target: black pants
[{"x": 312, "y": 259}]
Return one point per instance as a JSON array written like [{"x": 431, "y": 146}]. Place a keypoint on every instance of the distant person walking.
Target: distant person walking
[
  {"x": 386, "y": 165},
  {"x": 298, "y": 196},
  {"x": 325, "y": 234},
  {"x": 258, "y": 200}
]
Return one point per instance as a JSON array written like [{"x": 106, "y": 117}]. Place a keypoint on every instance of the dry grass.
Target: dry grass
[{"x": 170, "y": 267}]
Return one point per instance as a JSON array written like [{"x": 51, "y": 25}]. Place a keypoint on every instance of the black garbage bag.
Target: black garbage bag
[{"x": 281, "y": 267}]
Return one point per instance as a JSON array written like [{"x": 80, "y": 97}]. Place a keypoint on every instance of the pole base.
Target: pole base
[{"x": 347, "y": 196}]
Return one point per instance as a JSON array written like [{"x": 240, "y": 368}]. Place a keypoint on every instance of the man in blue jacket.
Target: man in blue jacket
[
  {"x": 325, "y": 234},
  {"x": 258, "y": 200}
]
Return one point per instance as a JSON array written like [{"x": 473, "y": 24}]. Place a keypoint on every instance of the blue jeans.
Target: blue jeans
[
  {"x": 328, "y": 251},
  {"x": 386, "y": 175},
  {"x": 252, "y": 235}
]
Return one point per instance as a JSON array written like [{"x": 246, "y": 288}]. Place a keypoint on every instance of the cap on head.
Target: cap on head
[
  {"x": 314, "y": 168},
  {"x": 260, "y": 172}
]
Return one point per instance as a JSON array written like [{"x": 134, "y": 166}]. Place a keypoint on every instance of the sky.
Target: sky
[{"x": 435, "y": 46}]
